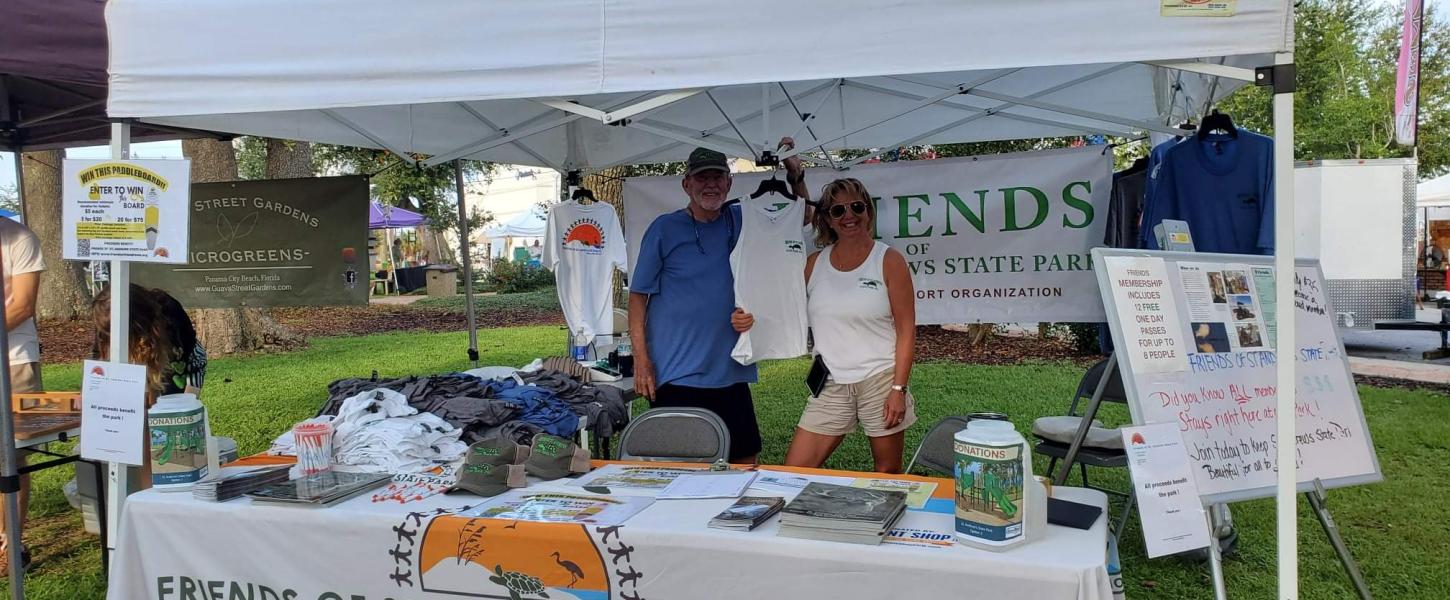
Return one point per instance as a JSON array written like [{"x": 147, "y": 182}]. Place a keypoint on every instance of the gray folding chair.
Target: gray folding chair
[
  {"x": 936, "y": 451},
  {"x": 675, "y": 434}
]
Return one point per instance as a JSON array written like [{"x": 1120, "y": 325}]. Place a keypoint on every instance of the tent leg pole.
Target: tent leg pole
[
  {"x": 1286, "y": 497},
  {"x": 118, "y": 483},
  {"x": 463, "y": 243},
  {"x": 9, "y": 465},
  {"x": 20, "y": 184}
]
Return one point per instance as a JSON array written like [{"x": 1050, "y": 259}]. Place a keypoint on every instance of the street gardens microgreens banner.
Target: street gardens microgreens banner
[
  {"x": 992, "y": 239},
  {"x": 286, "y": 242}
]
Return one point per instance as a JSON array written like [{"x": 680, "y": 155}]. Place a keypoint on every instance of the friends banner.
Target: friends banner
[
  {"x": 991, "y": 239},
  {"x": 287, "y": 242}
]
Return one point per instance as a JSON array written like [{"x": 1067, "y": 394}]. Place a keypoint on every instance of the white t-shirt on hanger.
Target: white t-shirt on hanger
[
  {"x": 583, "y": 245},
  {"x": 769, "y": 263}
]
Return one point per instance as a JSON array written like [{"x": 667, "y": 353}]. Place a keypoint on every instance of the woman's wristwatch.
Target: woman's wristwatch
[{"x": 899, "y": 388}]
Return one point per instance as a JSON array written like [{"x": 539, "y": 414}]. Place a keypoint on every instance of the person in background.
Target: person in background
[
  {"x": 22, "y": 289},
  {"x": 681, "y": 298},
  {"x": 862, "y": 310},
  {"x": 162, "y": 338}
]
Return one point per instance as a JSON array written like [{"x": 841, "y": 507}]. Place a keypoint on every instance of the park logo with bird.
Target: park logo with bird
[
  {"x": 584, "y": 235},
  {"x": 523, "y": 560}
]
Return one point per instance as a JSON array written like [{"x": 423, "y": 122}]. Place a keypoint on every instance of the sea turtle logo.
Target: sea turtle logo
[
  {"x": 870, "y": 284},
  {"x": 794, "y": 246},
  {"x": 517, "y": 560},
  {"x": 584, "y": 234}
]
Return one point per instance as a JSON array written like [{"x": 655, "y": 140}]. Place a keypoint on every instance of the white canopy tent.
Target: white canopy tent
[
  {"x": 1435, "y": 192},
  {"x": 580, "y": 84}
]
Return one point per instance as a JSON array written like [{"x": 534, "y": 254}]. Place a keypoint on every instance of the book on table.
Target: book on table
[
  {"x": 321, "y": 489},
  {"x": 840, "y": 513},
  {"x": 748, "y": 512}
]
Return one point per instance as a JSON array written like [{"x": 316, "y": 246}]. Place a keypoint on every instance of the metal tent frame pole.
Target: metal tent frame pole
[
  {"x": 9, "y": 462},
  {"x": 463, "y": 243},
  {"x": 118, "y": 479},
  {"x": 1287, "y": 497}
]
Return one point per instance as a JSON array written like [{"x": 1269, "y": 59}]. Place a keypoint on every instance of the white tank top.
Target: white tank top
[
  {"x": 850, "y": 317},
  {"x": 768, "y": 263}
]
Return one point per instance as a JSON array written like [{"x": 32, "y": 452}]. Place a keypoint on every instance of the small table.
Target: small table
[{"x": 35, "y": 430}]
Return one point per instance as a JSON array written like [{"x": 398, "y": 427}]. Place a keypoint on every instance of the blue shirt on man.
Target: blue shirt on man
[
  {"x": 684, "y": 266},
  {"x": 1222, "y": 187}
]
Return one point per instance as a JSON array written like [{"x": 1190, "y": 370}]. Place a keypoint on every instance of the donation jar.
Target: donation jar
[
  {"x": 178, "y": 430},
  {"x": 993, "y": 472}
]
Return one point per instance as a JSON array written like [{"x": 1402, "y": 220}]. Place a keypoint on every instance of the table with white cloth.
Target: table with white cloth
[{"x": 173, "y": 547}]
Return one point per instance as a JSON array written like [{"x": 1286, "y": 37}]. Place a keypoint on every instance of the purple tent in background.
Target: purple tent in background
[{"x": 391, "y": 217}]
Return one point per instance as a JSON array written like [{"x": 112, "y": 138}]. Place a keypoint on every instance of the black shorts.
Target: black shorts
[{"x": 732, "y": 404}]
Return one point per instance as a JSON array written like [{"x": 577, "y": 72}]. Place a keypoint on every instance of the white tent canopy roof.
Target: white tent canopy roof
[
  {"x": 1435, "y": 192},
  {"x": 530, "y": 223},
  {"x": 593, "y": 83}
]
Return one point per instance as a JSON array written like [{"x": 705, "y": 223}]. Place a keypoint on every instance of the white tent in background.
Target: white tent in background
[
  {"x": 1435, "y": 192},
  {"x": 524, "y": 228},
  {"x": 578, "y": 84}
]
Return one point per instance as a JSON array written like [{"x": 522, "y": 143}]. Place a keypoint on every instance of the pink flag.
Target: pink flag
[{"x": 1407, "y": 78}]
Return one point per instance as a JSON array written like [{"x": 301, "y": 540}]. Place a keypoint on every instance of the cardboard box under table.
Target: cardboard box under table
[{"x": 172, "y": 545}]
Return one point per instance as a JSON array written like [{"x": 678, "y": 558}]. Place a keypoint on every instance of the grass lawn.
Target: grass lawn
[{"x": 1397, "y": 529}]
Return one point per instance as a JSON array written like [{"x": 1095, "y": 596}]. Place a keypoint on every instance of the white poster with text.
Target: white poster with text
[
  {"x": 1147, "y": 313},
  {"x": 132, "y": 210},
  {"x": 1172, "y": 515},
  {"x": 113, "y": 412}
]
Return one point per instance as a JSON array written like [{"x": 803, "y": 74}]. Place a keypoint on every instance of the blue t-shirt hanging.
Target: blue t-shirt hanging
[
  {"x": 1222, "y": 187},
  {"x": 684, "y": 266}
]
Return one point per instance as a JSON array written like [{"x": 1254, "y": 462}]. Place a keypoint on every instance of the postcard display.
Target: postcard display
[{"x": 1195, "y": 334}]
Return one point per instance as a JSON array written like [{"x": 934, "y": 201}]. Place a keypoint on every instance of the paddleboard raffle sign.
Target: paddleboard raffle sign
[{"x": 131, "y": 210}]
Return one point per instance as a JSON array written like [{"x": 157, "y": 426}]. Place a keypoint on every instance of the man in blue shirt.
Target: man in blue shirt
[{"x": 681, "y": 297}]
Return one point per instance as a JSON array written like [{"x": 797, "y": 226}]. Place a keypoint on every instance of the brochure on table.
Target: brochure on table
[{"x": 1195, "y": 334}]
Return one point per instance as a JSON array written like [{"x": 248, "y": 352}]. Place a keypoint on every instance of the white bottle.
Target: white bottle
[
  {"x": 180, "y": 449},
  {"x": 998, "y": 503}
]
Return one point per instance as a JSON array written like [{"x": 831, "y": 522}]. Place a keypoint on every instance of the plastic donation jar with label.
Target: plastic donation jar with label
[
  {"x": 178, "y": 430},
  {"x": 998, "y": 503}
]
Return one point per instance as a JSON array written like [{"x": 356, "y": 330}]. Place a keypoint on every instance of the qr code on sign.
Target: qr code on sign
[{"x": 83, "y": 248}]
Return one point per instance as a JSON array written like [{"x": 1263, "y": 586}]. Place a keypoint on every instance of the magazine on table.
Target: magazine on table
[{"x": 748, "y": 512}]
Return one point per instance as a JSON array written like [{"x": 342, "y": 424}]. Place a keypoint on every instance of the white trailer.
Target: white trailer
[{"x": 1358, "y": 218}]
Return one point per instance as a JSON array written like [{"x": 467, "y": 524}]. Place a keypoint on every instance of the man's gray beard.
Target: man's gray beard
[{"x": 711, "y": 205}]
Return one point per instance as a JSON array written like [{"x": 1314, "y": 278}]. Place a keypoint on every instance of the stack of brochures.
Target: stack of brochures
[
  {"x": 748, "y": 513},
  {"x": 321, "y": 489},
  {"x": 840, "y": 513},
  {"x": 237, "y": 481}
]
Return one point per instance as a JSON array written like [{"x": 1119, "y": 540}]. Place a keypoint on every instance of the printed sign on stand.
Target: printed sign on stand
[
  {"x": 132, "y": 210},
  {"x": 1172, "y": 515},
  {"x": 113, "y": 412},
  {"x": 1148, "y": 314}
]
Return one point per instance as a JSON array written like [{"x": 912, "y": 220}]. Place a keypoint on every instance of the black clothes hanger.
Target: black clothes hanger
[
  {"x": 772, "y": 185},
  {"x": 1219, "y": 123},
  {"x": 581, "y": 194}
]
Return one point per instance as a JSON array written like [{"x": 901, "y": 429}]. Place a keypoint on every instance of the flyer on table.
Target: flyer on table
[
  {"x": 113, "y": 412},
  {"x": 132, "y": 210},
  {"x": 1168, "y": 502}
]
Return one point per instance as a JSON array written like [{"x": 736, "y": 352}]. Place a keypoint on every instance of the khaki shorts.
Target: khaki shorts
[
  {"x": 841, "y": 405},
  {"x": 25, "y": 378}
]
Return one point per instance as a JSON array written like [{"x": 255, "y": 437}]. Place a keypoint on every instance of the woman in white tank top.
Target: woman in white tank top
[{"x": 862, "y": 312}]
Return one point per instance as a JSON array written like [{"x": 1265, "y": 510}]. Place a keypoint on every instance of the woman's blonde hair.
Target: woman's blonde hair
[{"x": 826, "y": 236}]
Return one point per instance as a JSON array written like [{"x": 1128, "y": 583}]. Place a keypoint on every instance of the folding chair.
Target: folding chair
[
  {"x": 675, "y": 434},
  {"x": 1106, "y": 456},
  {"x": 936, "y": 451}
]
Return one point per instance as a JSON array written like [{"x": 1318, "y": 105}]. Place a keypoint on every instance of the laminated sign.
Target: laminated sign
[{"x": 132, "y": 210}]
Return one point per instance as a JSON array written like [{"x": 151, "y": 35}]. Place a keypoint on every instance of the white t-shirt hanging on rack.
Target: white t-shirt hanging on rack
[
  {"x": 769, "y": 263},
  {"x": 583, "y": 245}
]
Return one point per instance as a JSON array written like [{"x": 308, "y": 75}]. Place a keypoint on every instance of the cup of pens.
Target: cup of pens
[{"x": 314, "y": 447}]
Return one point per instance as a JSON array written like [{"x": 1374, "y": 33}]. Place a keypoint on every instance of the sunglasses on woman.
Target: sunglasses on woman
[{"x": 839, "y": 210}]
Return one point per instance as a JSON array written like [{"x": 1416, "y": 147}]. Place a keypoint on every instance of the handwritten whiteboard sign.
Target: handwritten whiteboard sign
[{"x": 1224, "y": 398}]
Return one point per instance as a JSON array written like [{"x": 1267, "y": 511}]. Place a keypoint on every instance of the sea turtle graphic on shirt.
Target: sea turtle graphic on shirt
[
  {"x": 870, "y": 284},
  {"x": 794, "y": 246}
]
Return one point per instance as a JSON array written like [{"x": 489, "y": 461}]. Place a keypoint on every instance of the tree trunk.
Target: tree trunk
[
  {"x": 979, "y": 334},
  {"x": 232, "y": 330},
  {"x": 287, "y": 159},
  {"x": 64, "y": 291}
]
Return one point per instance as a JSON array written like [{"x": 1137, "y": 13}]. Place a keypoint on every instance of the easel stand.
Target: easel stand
[{"x": 1219, "y": 523}]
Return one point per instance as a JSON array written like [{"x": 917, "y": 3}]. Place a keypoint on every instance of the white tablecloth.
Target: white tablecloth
[{"x": 175, "y": 548}]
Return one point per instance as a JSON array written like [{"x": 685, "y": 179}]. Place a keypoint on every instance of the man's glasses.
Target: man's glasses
[
  {"x": 839, "y": 210},
  {"x": 730, "y": 220}
]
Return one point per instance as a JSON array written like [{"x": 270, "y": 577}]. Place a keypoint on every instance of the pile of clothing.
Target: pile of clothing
[
  {"x": 517, "y": 407},
  {"x": 376, "y": 431}
]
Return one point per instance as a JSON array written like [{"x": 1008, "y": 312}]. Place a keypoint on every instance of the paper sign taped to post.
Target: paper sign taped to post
[
  {"x": 113, "y": 412},
  {"x": 1172, "y": 514}
]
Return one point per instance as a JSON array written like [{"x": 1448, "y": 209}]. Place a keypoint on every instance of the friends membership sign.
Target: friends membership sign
[
  {"x": 1195, "y": 336},
  {"x": 132, "y": 210}
]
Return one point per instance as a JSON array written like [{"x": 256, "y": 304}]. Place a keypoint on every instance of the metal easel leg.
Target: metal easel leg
[
  {"x": 1215, "y": 562},
  {"x": 1316, "y": 501},
  {"x": 1087, "y": 419}
]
